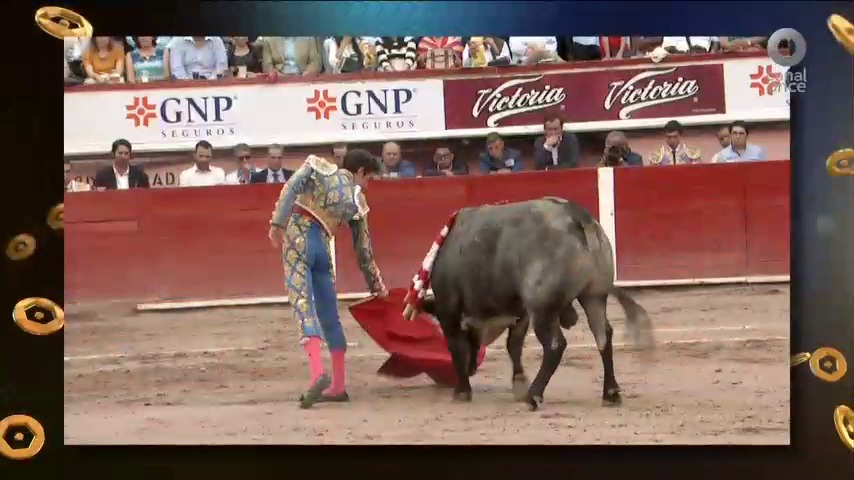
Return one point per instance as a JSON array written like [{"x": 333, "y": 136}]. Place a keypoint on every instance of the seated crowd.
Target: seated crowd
[
  {"x": 149, "y": 58},
  {"x": 556, "y": 148}
]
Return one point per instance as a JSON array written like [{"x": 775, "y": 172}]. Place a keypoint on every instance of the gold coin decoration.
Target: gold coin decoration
[
  {"x": 843, "y": 31},
  {"x": 21, "y": 247},
  {"x": 828, "y": 364},
  {"x": 30, "y": 424},
  {"x": 56, "y": 217},
  {"x": 800, "y": 358},
  {"x": 841, "y": 163},
  {"x": 843, "y": 420},
  {"x": 62, "y": 23},
  {"x": 29, "y": 312}
]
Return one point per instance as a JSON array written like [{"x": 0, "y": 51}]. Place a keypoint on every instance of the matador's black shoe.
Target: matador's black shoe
[
  {"x": 337, "y": 398},
  {"x": 315, "y": 392}
]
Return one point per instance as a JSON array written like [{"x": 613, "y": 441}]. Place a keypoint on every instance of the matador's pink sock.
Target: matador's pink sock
[
  {"x": 338, "y": 373},
  {"x": 315, "y": 361}
]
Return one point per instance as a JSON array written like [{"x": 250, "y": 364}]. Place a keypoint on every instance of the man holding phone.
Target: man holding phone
[{"x": 556, "y": 149}]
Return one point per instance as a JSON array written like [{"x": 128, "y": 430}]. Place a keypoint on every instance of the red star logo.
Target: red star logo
[
  {"x": 766, "y": 80},
  {"x": 321, "y": 104},
  {"x": 141, "y": 111}
]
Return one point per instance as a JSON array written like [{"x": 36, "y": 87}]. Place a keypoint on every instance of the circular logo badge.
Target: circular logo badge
[
  {"x": 56, "y": 217},
  {"x": 20, "y": 424},
  {"x": 843, "y": 420},
  {"x": 828, "y": 364},
  {"x": 797, "y": 47},
  {"x": 843, "y": 31},
  {"x": 61, "y": 22},
  {"x": 38, "y": 316},
  {"x": 21, "y": 247},
  {"x": 841, "y": 163}
]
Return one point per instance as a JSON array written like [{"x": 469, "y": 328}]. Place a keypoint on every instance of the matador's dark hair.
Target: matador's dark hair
[{"x": 360, "y": 158}]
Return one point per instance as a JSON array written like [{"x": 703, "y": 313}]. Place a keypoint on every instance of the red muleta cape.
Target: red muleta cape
[{"x": 415, "y": 347}]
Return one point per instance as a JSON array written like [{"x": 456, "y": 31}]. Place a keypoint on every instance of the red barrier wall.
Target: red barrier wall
[
  {"x": 203, "y": 243},
  {"x": 712, "y": 221}
]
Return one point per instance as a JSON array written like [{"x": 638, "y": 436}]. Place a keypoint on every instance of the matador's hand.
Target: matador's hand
[{"x": 277, "y": 237}]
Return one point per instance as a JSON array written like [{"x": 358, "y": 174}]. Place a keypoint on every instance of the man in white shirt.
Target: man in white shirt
[
  {"x": 202, "y": 173},
  {"x": 690, "y": 44},
  {"x": 520, "y": 47},
  {"x": 274, "y": 173},
  {"x": 245, "y": 168}
]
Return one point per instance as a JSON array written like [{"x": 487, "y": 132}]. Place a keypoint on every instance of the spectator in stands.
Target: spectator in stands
[
  {"x": 198, "y": 58},
  {"x": 394, "y": 166},
  {"x": 343, "y": 55},
  {"x": 72, "y": 185},
  {"x": 75, "y": 48},
  {"x": 497, "y": 159},
  {"x": 537, "y": 53},
  {"x": 615, "y": 47},
  {"x": 584, "y": 48},
  {"x": 159, "y": 42},
  {"x": 723, "y": 139},
  {"x": 104, "y": 61},
  {"x": 617, "y": 152},
  {"x": 338, "y": 152},
  {"x": 555, "y": 148},
  {"x": 445, "y": 164},
  {"x": 121, "y": 175},
  {"x": 291, "y": 56},
  {"x": 644, "y": 46},
  {"x": 69, "y": 78},
  {"x": 486, "y": 51},
  {"x": 202, "y": 173},
  {"x": 690, "y": 44},
  {"x": 739, "y": 150},
  {"x": 147, "y": 62},
  {"x": 368, "y": 46},
  {"x": 440, "y": 52},
  {"x": 395, "y": 54},
  {"x": 274, "y": 173},
  {"x": 244, "y": 61},
  {"x": 521, "y": 47},
  {"x": 243, "y": 174},
  {"x": 674, "y": 151},
  {"x": 743, "y": 44}
]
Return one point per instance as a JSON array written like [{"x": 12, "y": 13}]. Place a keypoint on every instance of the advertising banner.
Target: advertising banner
[
  {"x": 759, "y": 88},
  {"x": 258, "y": 114},
  {"x": 586, "y": 96}
]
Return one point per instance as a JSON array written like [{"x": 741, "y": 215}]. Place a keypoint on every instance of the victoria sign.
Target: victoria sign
[{"x": 585, "y": 96}]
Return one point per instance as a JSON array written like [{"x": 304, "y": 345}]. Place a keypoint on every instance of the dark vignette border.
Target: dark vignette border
[{"x": 822, "y": 263}]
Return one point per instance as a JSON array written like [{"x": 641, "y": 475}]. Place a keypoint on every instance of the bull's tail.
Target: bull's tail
[{"x": 637, "y": 320}]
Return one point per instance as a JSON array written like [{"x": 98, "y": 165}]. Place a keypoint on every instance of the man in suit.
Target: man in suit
[
  {"x": 497, "y": 159},
  {"x": 444, "y": 164},
  {"x": 556, "y": 148},
  {"x": 121, "y": 175},
  {"x": 394, "y": 165},
  {"x": 290, "y": 56},
  {"x": 274, "y": 173}
]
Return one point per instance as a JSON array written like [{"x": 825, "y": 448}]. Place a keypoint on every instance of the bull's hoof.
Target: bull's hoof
[
  {"x": 462, "y": 395},
  {"x": 611, "y": 398},
  {"x": 534, "y": 402},
  {"x": 520, "y": 387}
]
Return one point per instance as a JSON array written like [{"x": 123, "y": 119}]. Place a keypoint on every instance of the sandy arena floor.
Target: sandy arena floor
[{"x": 233, "y": 376}]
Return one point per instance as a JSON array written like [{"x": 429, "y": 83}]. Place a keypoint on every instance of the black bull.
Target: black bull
[{"x": 508, "y": 266}]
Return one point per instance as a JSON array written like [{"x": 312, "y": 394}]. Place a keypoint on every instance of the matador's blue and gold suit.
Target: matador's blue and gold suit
[{"x": 317, "y": 198}]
